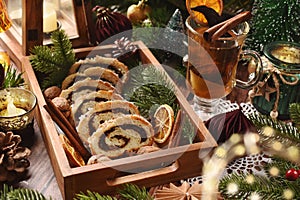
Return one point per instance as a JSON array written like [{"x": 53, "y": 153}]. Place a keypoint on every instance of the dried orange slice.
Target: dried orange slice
[
  {"x": 73, "y": 156},
  {"x": 217, "y": 5},
  {"x": 164, "y": 121}
]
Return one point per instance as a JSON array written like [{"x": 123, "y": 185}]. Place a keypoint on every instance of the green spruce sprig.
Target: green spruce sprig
[
  {"x": 294, "y": 111},
  {"x": 284, "y": 132},
  {"x": 127, "y": 192},
  {"x": 53, "y": 62},
  {"x": 266, "y": 187},
  {"x": 10, "y": 193},
  {"x": 149, "y": 88},
  {"x": 12, "y": 78},
  {"x": 133, "y": 192},
  {"x": 93, "y": 196}
]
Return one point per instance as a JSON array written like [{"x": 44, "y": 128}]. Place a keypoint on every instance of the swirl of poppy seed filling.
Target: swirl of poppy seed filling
[
  {"x": 98, "y": 118},
  {"x": 81, "y": 108},
  {"x": 120, "y": 140}
]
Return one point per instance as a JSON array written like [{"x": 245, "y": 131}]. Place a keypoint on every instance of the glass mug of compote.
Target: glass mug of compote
[{"x": 212, "y": 66}]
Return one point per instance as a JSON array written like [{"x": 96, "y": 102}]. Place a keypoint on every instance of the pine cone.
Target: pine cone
[
  {"x": 13, "y": 158},
  {"x": 123, "y": 49}
]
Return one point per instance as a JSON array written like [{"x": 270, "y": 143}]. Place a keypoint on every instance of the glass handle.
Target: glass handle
[{"x": 253, "y": 58}]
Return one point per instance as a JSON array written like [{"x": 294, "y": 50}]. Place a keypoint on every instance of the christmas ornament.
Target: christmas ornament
[
  {"x": 222, "y": 126},
  {"x": 138, "y": 13},
  {"x": 292, "y": 174},
  {"x": 109, "y": 23}
]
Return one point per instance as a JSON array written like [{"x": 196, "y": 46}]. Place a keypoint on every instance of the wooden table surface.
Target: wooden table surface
[{"x": 40, "y": 173}]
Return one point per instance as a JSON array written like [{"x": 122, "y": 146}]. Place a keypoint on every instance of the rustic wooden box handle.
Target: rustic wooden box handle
[{"x": 144, "y": 175}]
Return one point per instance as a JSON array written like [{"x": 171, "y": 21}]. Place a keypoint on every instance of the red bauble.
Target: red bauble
[
  {"x": 109, "y": 23},
  {"x": 292, "y": 174},
  {"x": 298, "y": 172}
]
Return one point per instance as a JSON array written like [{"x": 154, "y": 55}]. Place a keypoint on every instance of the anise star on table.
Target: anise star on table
[{"x": 183, "y": 192}]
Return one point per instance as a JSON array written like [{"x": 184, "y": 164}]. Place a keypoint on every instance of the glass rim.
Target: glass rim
[{"x": 190, "y": 28}]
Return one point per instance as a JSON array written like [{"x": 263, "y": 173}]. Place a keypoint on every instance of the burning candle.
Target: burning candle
[
  {"x": 16, "y": 108},
  {"x": 11, "y": 109},
  {"x": 49, "y": 18}
]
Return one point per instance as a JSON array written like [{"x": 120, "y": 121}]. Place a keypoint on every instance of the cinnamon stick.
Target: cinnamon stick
[
  {"x": 175, "y": 136},
  {"x": 220, "y": 29},
  {"x": 67, "y": 128}
]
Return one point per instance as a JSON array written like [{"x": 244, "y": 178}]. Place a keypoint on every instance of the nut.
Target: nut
[
  {"x": 62, "y": 104},
  {"x": 52, "y": 92}
]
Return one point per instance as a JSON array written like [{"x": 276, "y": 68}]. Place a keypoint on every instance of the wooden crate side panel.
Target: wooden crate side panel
[{"x": 107, "y": 180}]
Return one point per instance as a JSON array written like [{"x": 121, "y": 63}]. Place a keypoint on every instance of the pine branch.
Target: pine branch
[
  {"x": 149, "y": 89},
  {"x": 133, "y": 192},
  {"x": 25, "y": 194},
  {"x": 128, "y": 192},
  {"x": 10, "y": 193},
  {"x": 53, "y": 62},
  {"x": 12, "y": 78},
  {"x": 5, "y": 190},
  {"x": 294, "y": 111},
  {"x": 281, "y": 164},
  {"x": 266, "y": 188},
  {"x": 285, "y": 133},
  {"x": 93, "y": 196}
]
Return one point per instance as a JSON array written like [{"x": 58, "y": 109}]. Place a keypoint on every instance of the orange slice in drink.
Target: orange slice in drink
[
  {"x": 217, "y": 5},
  {"x": 164, "y": 121}
]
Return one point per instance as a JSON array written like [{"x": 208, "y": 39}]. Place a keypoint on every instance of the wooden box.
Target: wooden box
[{"x": 163, "y": 166}]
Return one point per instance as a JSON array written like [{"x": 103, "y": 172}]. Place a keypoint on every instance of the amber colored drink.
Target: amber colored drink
[{"x": 212, "y": 65}]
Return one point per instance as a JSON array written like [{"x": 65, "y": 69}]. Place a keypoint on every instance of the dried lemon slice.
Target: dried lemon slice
[
  {"x": 217, "y": 5},
  {"x": 163, "y": 123}
]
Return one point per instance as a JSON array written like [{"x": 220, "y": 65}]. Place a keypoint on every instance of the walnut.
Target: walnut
[
  {"x": 52, "y": 92},
  {"x": 63, "y": 105}
]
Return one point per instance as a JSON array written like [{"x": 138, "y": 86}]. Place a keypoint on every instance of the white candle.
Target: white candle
[
  {"x": 49, "y": 18},
  {"x": 11, "y": 109}
]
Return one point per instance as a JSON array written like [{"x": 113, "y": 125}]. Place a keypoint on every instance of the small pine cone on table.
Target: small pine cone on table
[{"x": 13, "y": 158}]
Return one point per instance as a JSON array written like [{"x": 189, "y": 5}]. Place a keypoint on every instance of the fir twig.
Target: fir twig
[
  {"x": 294, "y": 111},
  {"x": 10, "y": 193},
  {"x": 149, "y": 89},
  {"x": 133, "y": 192},
  {"x": 12, "y": 78},
  {"x": 266, "y": 187},
  {"x": 53, "y": 62},
  {"x": 93, "y": 196},
  {"x": 285, "y": 133}
]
